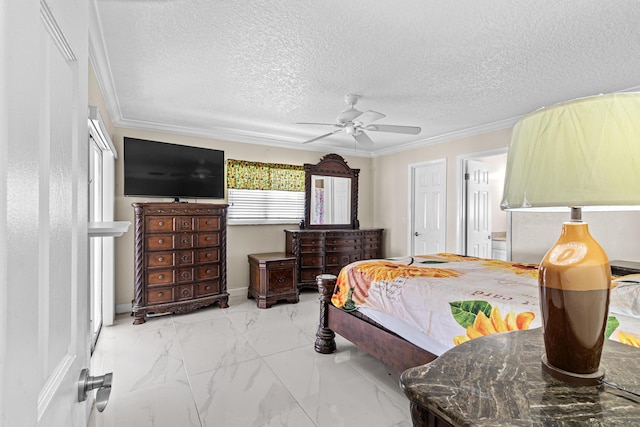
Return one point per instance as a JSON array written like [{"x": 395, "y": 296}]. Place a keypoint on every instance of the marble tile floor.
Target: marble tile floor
[{"x": 241, "y": 367}]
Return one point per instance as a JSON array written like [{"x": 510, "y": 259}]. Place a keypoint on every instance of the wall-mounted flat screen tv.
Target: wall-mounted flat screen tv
[{"x": 160, "y": 169}]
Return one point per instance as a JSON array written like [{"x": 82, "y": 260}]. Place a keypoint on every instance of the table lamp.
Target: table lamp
[{"x": 581, "y": 153}]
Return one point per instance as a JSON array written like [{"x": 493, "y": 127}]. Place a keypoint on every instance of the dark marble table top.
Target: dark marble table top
[{"x": 497, "y": 380}]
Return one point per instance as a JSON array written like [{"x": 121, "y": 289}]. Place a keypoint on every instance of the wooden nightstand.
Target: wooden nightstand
[{"x": 272, "y": 278}]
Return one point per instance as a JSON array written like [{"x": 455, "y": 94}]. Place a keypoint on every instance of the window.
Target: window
[{"x": 264, "y": 193}]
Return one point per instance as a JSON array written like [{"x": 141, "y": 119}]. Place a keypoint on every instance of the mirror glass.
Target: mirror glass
[
  {"x": 330, "y": 200},
  {"x": 331, "y": 194}
]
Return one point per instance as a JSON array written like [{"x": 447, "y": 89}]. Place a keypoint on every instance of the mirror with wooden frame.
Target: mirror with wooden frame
[{"x": 331, "y": 194}]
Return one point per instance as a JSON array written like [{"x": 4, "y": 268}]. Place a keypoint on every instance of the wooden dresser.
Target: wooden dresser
[
  {"x": 327, "y": 251},
  {"x": 180, "y": 257}
]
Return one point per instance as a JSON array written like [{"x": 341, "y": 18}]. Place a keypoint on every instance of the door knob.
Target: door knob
[
  {"x": 416, "y": 234},
  {"x": 86, "y": 383}
]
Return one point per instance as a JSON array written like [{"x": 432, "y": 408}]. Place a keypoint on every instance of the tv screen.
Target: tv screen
[{"x": 159, "y": 169}]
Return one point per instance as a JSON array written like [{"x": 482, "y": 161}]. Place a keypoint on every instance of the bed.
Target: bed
[{"x": 407, "y": 311}]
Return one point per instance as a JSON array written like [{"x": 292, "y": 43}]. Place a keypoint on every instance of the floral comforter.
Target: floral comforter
[{"x": 453, "y": 299}]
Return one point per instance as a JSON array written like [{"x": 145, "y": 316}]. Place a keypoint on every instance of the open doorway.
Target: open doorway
[{"x": 482, "y": 225}]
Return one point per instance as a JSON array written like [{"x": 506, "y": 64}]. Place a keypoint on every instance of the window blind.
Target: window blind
[{"x": 265, "y": 206}]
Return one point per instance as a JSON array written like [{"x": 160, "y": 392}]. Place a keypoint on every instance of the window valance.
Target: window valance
[{"x": 245, "y": 175}]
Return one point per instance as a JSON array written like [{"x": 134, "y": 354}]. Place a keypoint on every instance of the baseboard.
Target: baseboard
[
  {"x": 238, "y": 292},
  {"x": 126, "y": 308},
  {"x": 123, "y": 308}
]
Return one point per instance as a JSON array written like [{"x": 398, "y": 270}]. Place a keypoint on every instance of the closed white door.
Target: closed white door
[
  {"x": 428, "y": 182},
  {"x": 478, "y": 209},
  {"x": 44, "y": 338}
]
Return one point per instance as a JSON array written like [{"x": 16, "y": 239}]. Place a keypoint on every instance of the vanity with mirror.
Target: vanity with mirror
[{"x": 330, "y": 236}]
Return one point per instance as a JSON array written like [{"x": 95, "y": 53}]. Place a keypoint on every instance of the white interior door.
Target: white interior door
[
  {"x": 478, "y": 209},
  {"x": 44, "y": 333},
  {"x": 428, "y": 183}
]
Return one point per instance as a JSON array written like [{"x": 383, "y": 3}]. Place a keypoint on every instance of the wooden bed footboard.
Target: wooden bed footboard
[{"x": 391, "y": 349}]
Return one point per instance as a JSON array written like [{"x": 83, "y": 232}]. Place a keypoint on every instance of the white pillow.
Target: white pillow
[{"x": 625, "y": 295}]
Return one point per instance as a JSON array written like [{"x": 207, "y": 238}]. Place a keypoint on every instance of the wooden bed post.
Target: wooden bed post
[{"x": 325, "y": 337}]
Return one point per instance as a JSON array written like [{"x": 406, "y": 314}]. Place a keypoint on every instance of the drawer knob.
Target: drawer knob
[
  {"x": 160, "y": 223},
  {"x": 185, "y": 275},
  {"x": 206, "y": 288},
  {"x": 207, "y": 238},
  {"x": 209, "y": 222},
  {"x": 185, "y": 240},
  {"x": 160, "y": 276},
  {"x": 160, "y": 294},
  {"x": 160, "y": 258},
  {"x": 209, "y": 255},
  {"x": 185, "y": 292},
  {"x": 185, "y": 223},
  {"x": 186, "y": 257},
  {"x": 281, "y": 279},
  {"x": 160, "y": 241},
  {"x": 208, "y": 271}
]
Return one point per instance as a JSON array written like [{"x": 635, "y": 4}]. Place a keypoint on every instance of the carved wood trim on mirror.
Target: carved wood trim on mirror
[{"x": 331, "y": 194}]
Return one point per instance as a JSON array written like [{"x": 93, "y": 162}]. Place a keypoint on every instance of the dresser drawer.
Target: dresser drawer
[
  {"x": 207, "y": 272},
  {"x": 184, "y": 223},
  {"x": 210, "y": 287},
  {"x": 208, "y": 223},
  {"x": 185, "y": 240},
  {"x": 159, "y": 242},
  {"x": 371, "y": 237},
  {"x": 370, "y": 255},
  {"x": 344, "y": 248},
  {"x": 158, "y": 224},
  {"x": 184, "y": 292},
  {"x": 208, "y": 239},
  {"x": 185, "y": 258},
  {"x": 185, "y": 275},
  {"x": 343, "y": 241},
  {"x": 312, "y": 240},
  {"x": 288, "y": 263},
  {"x": 342, "y": 259},
  {"x": 370, "y": 246},
  {"x": 159, "y": 295},
  {"x": 311, "y": 261},
  {"x": 208, "y": 255},
  {"x": 312, "y": 249},
  {"x": 309, "y": 274},
  {"x": 281, "y": 279},
  {"x": 160, "y": 259},
  {"x": 160, "y": 277}
]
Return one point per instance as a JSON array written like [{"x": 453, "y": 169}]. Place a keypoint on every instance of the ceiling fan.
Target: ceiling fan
[{"x": 354, "y": 122}]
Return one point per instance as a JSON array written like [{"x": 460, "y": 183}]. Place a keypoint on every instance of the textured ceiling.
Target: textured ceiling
[{"x": 247, "y": 71}]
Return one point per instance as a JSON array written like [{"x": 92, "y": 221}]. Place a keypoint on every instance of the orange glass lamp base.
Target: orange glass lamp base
[{"x": 574, "y": 279}]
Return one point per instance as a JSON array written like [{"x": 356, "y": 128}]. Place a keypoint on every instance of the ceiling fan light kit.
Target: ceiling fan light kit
[{"x": 354, "y": 122}]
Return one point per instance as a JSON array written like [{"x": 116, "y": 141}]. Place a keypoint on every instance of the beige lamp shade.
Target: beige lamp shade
[{"x": 580, "y": 153}]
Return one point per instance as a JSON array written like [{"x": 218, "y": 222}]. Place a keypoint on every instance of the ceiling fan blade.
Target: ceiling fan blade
[
  {"x": 412, "y": 130},
  {"x": 322, "y": 124},
  {"x": 363, "y": 139},
  {"x": 322, "y": 136},
  {"x": 348, "y": 115},
  {"x": 370, "y": 116}
]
